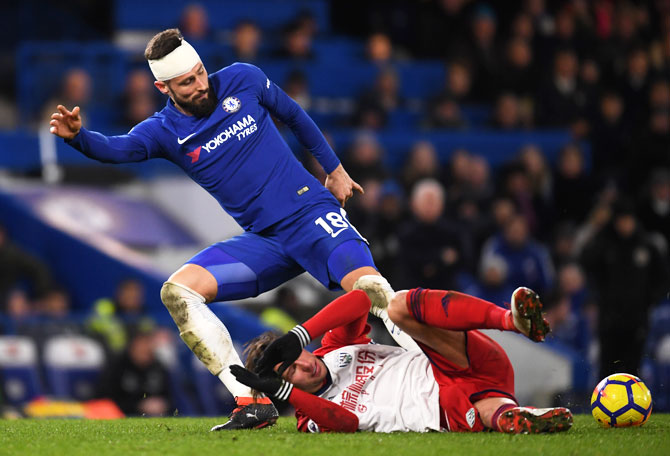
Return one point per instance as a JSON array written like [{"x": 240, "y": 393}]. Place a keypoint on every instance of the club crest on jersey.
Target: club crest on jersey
[
  {"x": 343, "y": 359},
  {"x": 231, "y": 104}
]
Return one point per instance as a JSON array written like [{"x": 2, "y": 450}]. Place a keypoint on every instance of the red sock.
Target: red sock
[
  {"x": 494, "y": 419},
  {"x": 456, "y": 311},
  {"x": 242, "y": 401}
]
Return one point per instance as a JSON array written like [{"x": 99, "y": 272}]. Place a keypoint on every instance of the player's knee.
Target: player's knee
[
  {"x": 397, "y": 308},
  {"x": 170, "y": 296}
]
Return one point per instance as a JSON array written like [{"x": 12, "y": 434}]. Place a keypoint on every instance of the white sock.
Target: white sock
[
  {"x": 204, "y": 334},
  {"x": 401, "y": 337}
]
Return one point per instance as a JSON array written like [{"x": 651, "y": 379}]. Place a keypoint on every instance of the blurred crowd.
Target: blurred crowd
[{"x": 590, "y": 232}]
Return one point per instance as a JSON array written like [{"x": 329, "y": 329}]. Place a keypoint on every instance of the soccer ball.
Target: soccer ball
[{"x": 621, "y": 400}]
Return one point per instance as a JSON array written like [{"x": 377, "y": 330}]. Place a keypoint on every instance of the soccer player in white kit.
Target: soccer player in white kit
[{"x": 460, "y": 380}]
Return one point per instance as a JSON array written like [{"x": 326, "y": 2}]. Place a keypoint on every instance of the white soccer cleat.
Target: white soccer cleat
[
  {"x": 378, "y": 290},
  {"x": 527, "y": 314}
]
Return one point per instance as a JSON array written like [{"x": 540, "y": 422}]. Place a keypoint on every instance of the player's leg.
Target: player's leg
[
  {"x": 327, "y": 246},
  {"x": 452, "y": 310},
  {"x": 225, "y": 271},
  {"x": 352, "y": 254}
]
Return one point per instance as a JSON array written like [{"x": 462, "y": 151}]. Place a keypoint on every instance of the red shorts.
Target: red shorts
[{"x": 489, "y": 374}]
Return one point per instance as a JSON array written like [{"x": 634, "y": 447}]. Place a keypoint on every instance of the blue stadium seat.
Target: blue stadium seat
[
  {"x": 19, "y": 370},
  {"x": 72, "y": 365},
  {"x": 268, "y": 14},
  {"x": 46, "y": 64}
]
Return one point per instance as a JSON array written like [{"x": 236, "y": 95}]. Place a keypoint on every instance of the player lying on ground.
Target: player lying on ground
[
  {"x": 460, "y": 380},
  {"x": 218, "y": 128}
]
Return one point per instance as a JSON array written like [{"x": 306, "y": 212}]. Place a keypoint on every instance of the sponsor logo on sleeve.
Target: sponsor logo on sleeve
[{"x": 470, "y": 417}]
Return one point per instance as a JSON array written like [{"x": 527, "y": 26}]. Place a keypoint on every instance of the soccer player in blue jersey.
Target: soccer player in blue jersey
[{"x": 218, "y": 129}]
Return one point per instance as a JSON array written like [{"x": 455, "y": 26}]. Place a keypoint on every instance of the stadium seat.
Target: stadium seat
[
  {"x": 72, "y": 366},
  {"x": 19, "y": 370}
]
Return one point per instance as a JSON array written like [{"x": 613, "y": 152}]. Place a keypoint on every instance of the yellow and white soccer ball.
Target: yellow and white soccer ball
[{"x": 621, "y": 400}]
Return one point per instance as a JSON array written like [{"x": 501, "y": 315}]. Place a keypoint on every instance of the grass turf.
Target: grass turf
[{"x": 190, "y": 436}]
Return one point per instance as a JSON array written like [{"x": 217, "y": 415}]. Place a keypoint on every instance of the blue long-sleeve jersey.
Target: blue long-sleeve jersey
[{"x": 235, "y": 153}]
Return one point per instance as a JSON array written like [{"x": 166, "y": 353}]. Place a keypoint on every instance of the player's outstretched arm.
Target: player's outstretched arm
[
  {"x": 65, "y": 124},
  {"x": 328, "y": 416},
  {"x": 138, "y": 145},
  {"x": 345, "y": 318},
  {"x": 341, "y": 185}
]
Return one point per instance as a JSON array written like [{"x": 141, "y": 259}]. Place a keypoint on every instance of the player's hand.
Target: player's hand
[
  {"x": 341, "y": 185},
  {"x": 65, "y": 124},
  {"x": 284, "y": 350},
  {"x": 271, "y": 385}
]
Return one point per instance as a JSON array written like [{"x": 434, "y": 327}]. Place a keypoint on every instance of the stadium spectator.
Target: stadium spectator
[
  {"x": 560, "y": 100},
  {"x": 457, "y": 174},
  {"x": 651, "y": 145},
  {"x": 296, "y": 86},
  {"x": 542, "y": 20},
  {"x": 374, "y": 106},
  {"x": 629, "y": 276},
  {"x": 246, "y": 42},
  {"x": 136, "y": 381},
  {"x": 379, "y": 49},
  {"x": 528, "y": 261},
  {"x": 573, "y": 187},
  {"x": 194, "y": 23},
  {"x": 478, "y": 187},
  {"x": 473, "y": 385},
  {"x": 432, "y": 249},
  {"x": 422, "y": 163},
  {"x": 138, "y": 100},
  {"x": 383, "y": 236},
  {"x": 523, "y": 28},
  {"x": 507, "y": 114},
  {"x": 76, "y": 90},
  {"x": 484, "y": 52},
  {"x": 537, "y": 169},
  {"x": 654, "y": 209},
  {"x": 16, "y": 311},
  {"x": 444, "y": 112},
  {"x": 610, "y": 139},
  {"x": 365, "y": 158},
  {"x": 517, "y": 184},
  {"x": 296, "y": 43},
  {"x": 634, "y": 87},
  {"x": 113, "y": 319},
  {"x": 517, "y": 73},
  {"x": 458, "y": 83},
  {"x": 491, "y": 282},
  {"x": 52, "y": 317}
]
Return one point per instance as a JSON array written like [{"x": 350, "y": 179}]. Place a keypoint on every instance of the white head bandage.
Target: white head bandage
[{"x": 178, "y": 62}]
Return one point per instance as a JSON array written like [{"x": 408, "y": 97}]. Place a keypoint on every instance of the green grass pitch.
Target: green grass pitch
[{"x": 190, "y": 436}]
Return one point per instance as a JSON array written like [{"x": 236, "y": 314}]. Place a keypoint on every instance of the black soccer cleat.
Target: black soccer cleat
[{"x": 250, "y": 416}]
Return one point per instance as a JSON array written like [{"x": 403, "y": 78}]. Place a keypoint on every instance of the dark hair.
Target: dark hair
[
  {"x": 163, "y": 43},
  {"x": 255, "y": 348}
]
